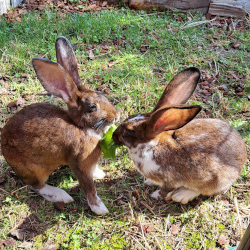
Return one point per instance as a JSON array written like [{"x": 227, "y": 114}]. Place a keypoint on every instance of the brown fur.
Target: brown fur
[
  {"x": 42, "y": 137},
  {"x": 205, "y": 155}
]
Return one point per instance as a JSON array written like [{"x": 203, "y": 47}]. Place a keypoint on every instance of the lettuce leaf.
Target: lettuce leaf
[{"x": 108, "y": 145}]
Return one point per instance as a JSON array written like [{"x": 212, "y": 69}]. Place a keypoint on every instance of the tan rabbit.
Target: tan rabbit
[
  {"x": 184, "y": 157},
  {"x": 42, "y": 136}
]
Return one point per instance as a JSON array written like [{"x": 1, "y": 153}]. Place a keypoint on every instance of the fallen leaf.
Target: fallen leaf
[
  {"x": 208, "y": 16},
  {"x": 19, "y": 19},
  {"x": 91, "y": 55},
  {"x": 143, "y": 229},
  {"x": 105, "y": 47},
  {"x": 239, "y": 93},
  {"x": 179, "y": 19},
  {"x": 9, "y": 242},
  {"x": 175, "y": 229},
  {"x": 18, "y": 233},
  {"x": 102, "y": 87},
  {"x": 143, "y": 48},
  {"x": 136, "y": 193},
  {"x": 103, "y": 51},
  {"x": 25, "y": 245},
  {"x": 2, "y": 180},
  {"x": 12, "y": 104},
  {"x": 235, "y": 45},
  {"x": 59, "y": 206},
  {"x": 222, "y": 239},
  {"x": 204, "y": 83},
  {"x": 73, "y": 210},
  {"x": 51, "y": 247},
  {"x": 97, "y": 77}
]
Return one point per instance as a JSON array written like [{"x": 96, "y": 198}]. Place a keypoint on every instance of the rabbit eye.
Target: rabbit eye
[
  {"x": 91, "y": 107},
  {"x": 130, "y": 132}
]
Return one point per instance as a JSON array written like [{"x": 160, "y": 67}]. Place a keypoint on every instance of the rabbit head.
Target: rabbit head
[
  {"x": 88, "y": 109},
  {"x": 168, "y": 114}
]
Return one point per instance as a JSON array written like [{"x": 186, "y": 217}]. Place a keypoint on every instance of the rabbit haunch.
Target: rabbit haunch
[
  {"x": 184, "y": 156},
  {"x": 41, "y": 137}
]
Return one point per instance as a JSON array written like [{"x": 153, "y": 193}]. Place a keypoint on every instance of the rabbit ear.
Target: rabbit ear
[
  {"x": 55, "y": 80},
  {"x": 181, "y": 87},
  {"x": 66, "y": 58},
  {"x": 171, "y": 118}
]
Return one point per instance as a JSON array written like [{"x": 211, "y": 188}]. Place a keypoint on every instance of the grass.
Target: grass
[{"x": 133, "y": 80}]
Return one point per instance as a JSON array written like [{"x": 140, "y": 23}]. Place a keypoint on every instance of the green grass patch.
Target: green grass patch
[{"x": 133, "y": 79}]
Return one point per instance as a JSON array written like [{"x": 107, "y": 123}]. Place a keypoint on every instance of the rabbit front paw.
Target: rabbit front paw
[
  {"x": 156, "y": 195},
  {"x": 148, "y": 182},
  {"x": 99, "y": 208},
  {"x": 184, "y": 195},
  {"x": 53, "y": 194}
]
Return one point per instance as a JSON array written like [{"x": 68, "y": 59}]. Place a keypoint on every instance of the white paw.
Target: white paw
[
  {"x": 53, "y": 194},
  {"x": 184, "y": 195},
  {"x": 156, "y": 195},
  {"x": 98, "y": 173},
  {"x": 148, "y": 182},
  {"x": 99, "y": 209},
  {"x": 169, "y": 196}
]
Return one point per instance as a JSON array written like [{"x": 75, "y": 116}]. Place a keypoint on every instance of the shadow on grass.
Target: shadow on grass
[{"x": 123, "y": 191}]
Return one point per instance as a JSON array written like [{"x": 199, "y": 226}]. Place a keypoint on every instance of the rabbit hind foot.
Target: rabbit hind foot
[
  {"x": 183, "y": 195},
  {"x": 53, "y": 194}
]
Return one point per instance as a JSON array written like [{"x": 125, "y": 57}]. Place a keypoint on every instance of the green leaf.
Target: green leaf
[{"x": 108, "y": 145}]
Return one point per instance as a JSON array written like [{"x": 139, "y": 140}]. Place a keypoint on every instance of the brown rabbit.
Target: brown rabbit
[
  {"x": 184, "y": 157},
  {"x": 42, "y": 136}
]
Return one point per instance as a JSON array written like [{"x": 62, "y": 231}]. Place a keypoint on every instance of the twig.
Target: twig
[
  {"x": 5, "y": 191},
  {"x": 194, "y": 24},
  {"x": 238, "y": 214},
  {"x": 146, "y": 243},
  {"x": 148, "y": 207},
  {"x": 138, "y": 242},
  {"x": 18, "y": 189},
  {"x": 131, "y": 210},
  {"x": 158, "y": 242}
]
